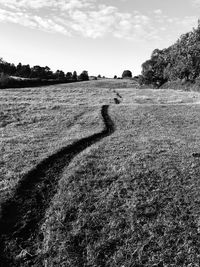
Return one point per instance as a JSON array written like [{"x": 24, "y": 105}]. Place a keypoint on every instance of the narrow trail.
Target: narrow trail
[
  {"x": 23, "y": 214},
  {"x": 118, "y": 98}
]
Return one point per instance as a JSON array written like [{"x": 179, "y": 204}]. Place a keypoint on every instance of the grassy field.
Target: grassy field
[
  {"x": 130, "y": 200},
  {"x": 36, "y": 122}
]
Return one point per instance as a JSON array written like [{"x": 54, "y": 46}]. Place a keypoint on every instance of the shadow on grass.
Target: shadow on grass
[{"x": 22, "y": 214}]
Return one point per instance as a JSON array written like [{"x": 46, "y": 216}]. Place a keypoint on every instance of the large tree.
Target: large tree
[
  {"x": 180, "y": 61},
  {"x": 83, "y": 76}
]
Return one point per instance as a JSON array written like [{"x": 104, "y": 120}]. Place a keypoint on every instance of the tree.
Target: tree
[
  {"x": 47, "y": 73},
  {"x": 115, "y": 77},
  {"x": 74, "y": 76},
  {"x": 99, "y": 76},
  {"x": 60, "y": 75},
  {"x": 180, "y": 61},
  {"x": 36, "y": 72},
  {"x": 7, "y": 68},
  {"x": 26, "y": 71},
  {"x": 23, "y": 71},
  {"x": 153, "y": 69},
  {"x": 127, "y": 74},
  {"x": 68, "y": 76},
  {"x": 84, "y": 76}
]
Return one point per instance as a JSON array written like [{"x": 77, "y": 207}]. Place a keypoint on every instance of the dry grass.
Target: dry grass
[
  {"x": 132, "y": 199},
  {"x": 158, "y": 97},
  {"x": 36, "y": 122}
]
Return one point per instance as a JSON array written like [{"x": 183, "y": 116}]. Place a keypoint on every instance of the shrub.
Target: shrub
[
  {"x": 4, "y": 80},
  {"x": 127, "y": 74}
]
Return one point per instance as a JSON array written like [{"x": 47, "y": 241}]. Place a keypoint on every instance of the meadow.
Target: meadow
[
  {"x": 38, "y": 121},
  {"x": 130, "y": 199}
]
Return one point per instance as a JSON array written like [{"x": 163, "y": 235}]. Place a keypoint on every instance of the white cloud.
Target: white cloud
[
  {"x": 185, "y": 24},
  {"x": 158, "y": 12},
  {"x": 39, "y": 4},
  {"x": 85, "y": 17},
  {"x": 34, "y": 22},
  {"x": 88, "y": 18},
  {"x": 189, "y": 21},
  {"x": 17, "y": 17},
  {"x": 196, "y": 3}
]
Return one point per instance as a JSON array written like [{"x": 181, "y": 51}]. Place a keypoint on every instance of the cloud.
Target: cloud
[
  {"x": 189, "y": 21},
  {"x": 196, "y": 3},
  {"x": 34, "y": 22},
  {"x": 158, "y": 12},
  {"x": 185, "y": 24},
  {"x": 17, "y": 17},
  {"x": 88, "y": 18},
  {"x": 40, "y": 4},
  {"x": 83, "y": 17}
]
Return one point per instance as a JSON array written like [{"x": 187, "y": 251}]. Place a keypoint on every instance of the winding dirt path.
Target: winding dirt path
[{"x": 22, "y": 215}]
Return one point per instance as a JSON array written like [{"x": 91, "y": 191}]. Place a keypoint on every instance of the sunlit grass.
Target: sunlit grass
[
  {"x": 130, "y": 200},
  {"x": 37, "y": 122}
]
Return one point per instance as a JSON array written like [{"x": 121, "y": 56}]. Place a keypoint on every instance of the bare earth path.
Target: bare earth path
[{"x": 22, "y": 215}]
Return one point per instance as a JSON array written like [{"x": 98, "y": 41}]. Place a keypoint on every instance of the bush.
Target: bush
[
  {"x": 178, "y": 85},
  {"x": 4, "y": 80},
  {"x": 127, "y": 74},
  {"x": 9, "y": 82}
]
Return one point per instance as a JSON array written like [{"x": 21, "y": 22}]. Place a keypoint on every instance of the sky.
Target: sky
[{"x": 101, "y": 36}]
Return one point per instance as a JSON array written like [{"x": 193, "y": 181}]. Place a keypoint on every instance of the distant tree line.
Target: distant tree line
[
  {"x": 127, "y": 74},
  {"x": 38, "y": 72},
  {"x": 181, "y": 61}
]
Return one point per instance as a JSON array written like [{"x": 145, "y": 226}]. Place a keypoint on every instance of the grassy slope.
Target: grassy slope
[
  {"x": 133, "y": 200},
  {"x": 36, "y": 122}
]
